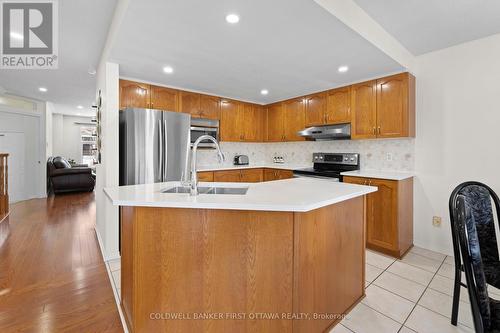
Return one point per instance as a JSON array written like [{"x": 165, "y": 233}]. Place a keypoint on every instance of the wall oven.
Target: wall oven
[{"x": 200, "y": 126}]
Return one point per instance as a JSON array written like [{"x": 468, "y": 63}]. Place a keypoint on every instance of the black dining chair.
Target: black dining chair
[
  {"x": 485, "y": 310},
  {"x": 478, "y": 196}
]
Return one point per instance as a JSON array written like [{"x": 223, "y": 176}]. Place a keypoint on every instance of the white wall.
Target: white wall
[
  {"x": 67, "y": 136},
  {"x": 107, "y": 222},
  {"x": 458, "y": 130}
]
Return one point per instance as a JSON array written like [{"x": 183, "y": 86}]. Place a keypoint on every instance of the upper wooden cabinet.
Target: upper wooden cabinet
[
  {"x": 364, "y": 110},
  {"x": 165, "y": 99},
  {"x": 242, "y": 121},
  {"x": 384, "y": 108},
  {"x": 338, "y": 106},
  {"x": 396, "y": 106},
  {"x": 199, "y": 106},
  {"x": 231, "y": 123},
  {"x": 315, "y": 110},
  {"x": 275, "y": 122},
  {"x": 134, "y": 94},
  {"x": 293, "y": 119}
]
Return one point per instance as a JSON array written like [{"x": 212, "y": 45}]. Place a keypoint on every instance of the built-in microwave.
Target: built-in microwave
[{"x": 200, "y": 126}]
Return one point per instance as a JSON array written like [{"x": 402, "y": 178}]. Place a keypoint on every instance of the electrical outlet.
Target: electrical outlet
[
  {"x": 389, "y": 156},
  {"x": 436, "y": 221}
]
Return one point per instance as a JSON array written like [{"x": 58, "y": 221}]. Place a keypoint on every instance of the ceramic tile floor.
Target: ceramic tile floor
[{"x": 409, "y": 295}]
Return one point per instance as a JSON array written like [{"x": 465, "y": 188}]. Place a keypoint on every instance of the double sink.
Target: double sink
[{"x": 208, "y": 190}]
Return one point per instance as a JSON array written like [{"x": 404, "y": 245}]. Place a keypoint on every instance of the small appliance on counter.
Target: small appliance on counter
[
  {"x": 329, "y": 166},
  {"x": 241, "y": 160}
]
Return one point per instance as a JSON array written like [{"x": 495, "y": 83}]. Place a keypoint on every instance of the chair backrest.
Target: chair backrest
[
  {"x": 478, "y": 196},
  {"x": 473, "y": 264}
]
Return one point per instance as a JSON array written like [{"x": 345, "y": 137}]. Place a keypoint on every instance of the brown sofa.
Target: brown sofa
[{"x": 63, "y": 177}]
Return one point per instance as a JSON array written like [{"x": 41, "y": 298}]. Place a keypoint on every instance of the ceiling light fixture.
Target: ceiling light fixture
[
  {"x": 264, "y": 91},
  {"x": 42, "y": 89},
  {"x": 232, "y": 18},
  {"x": 168, "y": 69},
  {"x": 343, "y": 69},
  {"x": 79, "y": 107}
]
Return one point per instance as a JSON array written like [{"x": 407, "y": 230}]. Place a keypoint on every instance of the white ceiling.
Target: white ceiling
[
  {"x": 83, "y": 26},
  {"x": 290, "y": 47},
  {"x": 426, "y": 25}
]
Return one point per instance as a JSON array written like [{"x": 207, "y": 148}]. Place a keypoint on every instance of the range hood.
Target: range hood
[{"x": 327, "y": 132}]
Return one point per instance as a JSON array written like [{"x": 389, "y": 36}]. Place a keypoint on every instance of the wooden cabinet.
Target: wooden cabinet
[
  {"x": 389, "y": 221},
  {"x": 199, "y": 106},
  {"x": 142, "y": 95},
  {"x": 338, "y": 106},
  {"x": 134, "y": 94},
  {"x": 275, "y": 122},
  {"x": 205, "y": 176},
  {"x": 396, "y": 106},
  {"x": 242, "y": 121},
  {"x": 384, "y": 108},
  {"x": 231, "y": 124},
  {"x": 364, "y": 110},
  {"x": 239, "y": 175},
  {"x": 315, "y": 112},
  {"x": 164, "y": 99},
  {"x": 293, "y": 119},
  {"x": 277, "y": 174}
]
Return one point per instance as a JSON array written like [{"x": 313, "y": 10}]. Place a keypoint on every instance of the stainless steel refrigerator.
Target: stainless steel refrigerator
[{"x": 154, "y": 146}]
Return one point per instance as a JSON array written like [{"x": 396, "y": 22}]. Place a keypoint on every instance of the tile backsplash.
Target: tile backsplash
[{"x": 380, "y": 154}]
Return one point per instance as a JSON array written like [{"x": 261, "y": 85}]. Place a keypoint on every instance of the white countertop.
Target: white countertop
[
  {"x": 390, "y": 175},
  {"x": 294, "y": 195},
  {"x": 283, "y": 166}
]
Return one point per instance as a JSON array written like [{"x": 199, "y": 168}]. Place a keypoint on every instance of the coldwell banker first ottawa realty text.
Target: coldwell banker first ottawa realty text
[{"x": 29, "y": 36}]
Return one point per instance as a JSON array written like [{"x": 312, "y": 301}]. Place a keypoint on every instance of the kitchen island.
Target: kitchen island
[{"x": 287, "y": 256}]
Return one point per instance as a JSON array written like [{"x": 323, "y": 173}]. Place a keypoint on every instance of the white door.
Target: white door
[{"x": 14, "y": 144}]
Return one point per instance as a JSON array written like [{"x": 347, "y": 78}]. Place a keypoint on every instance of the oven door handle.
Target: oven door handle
[
  {"x": 205, "y": 129},
  {"x": 317, "y": 177}
]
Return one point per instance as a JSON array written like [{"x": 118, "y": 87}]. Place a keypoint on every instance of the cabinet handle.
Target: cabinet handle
[
  {"x": 325, "y": 118},
  {"x": 374, "y": 130},
  {"x": 366, "y": 181},
  {"x": 151, "y": 105},
  {"x": 370, "y": 183},
  {"x": 378, "y": 130}
]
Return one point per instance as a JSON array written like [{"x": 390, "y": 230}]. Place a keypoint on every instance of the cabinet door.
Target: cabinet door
[
  {"x": 231, "y": 176},
  {"x": 285, "y": 174},
  {"x": 251, "y": 175},
  {"x": 315, "y": 113},
  {"x": 134, "y": 94},
  {"x": 275, "y": 122},
  {"x": 392, "y": 106},
  {"x": 210, "y": 107},
  {"x": 253, "y": 123},
  {"x": 294, "y": 116},
  {"x": 206, "y": 176},
  {"x": 165, "y": 99},
  {"x": 364, "y": 110},
  {"x": 338, "y": 109},
  {"x": 231, "y": 124},
  {"x": 382, "y": 215},
  {"x": 190, "y": 103},
  {"x": 270, "y": 175}
]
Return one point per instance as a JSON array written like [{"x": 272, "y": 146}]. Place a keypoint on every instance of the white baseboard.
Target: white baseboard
[{"x": 105, "y": 256}]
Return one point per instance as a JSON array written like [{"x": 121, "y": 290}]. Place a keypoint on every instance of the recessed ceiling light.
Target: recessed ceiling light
[
  {"x": 42, "y": 89},
  {"x": 79, "y": 107},
  {"x": 343, "y": 69},
  {"x": 232, "y": 18},
  {"x": 168, "y": 69},
  {"x": 264, "y": 91}
]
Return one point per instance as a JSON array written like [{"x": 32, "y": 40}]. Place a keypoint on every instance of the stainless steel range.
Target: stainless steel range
[{"x": 329, "y": 166}]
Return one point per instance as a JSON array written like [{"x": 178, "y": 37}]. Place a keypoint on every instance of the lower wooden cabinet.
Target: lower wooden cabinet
[
  {"x": 239, "y": 175},
  {"x": 389, "y": 221},
  {"x": 205, "y": 176},
  {"x": 277, "y": 174}
]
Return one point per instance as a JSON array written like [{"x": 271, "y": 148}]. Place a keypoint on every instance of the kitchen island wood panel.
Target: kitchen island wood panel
[{"x": 241, "y": 262}]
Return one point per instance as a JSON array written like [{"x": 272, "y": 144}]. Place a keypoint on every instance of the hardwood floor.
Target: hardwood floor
[{"x": 52, "y": 276}]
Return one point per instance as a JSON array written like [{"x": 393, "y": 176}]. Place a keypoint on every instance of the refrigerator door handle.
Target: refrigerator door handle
[
  {"x": 160, "y": 153},
  {"x": 165, "y": 145}
]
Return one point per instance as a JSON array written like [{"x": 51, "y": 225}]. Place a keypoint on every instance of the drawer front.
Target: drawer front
[{"x": 205, "y": 176}]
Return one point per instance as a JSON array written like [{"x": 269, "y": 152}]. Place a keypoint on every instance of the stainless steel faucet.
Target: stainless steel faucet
[{"x": 194, "y": 174}]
